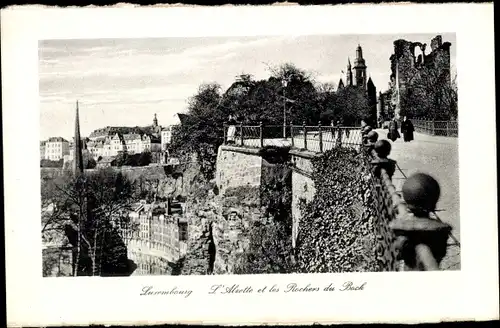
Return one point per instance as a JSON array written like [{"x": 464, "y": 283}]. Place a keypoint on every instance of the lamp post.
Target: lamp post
[{"x": 285, "y": 83}]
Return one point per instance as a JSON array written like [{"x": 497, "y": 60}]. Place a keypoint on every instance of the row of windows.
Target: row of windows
[
  {"x": 182, "y": 235},
  {"x": 146, "y": 268},
  {"x": 54, "y": 145},
  {"x": 171, "y": 249}
]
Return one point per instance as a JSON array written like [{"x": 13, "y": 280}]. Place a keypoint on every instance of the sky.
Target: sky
[{"x": 124, "y": 82}]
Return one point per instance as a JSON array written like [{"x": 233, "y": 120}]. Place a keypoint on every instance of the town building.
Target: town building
[
  {"x": 167, "y": 132},
  {"x": 160, "y": 237},
  {"x": 110, "y": 141},
  {"x": 56, "y": 148},
  {"x": 42, "y": 149},
  {"x": 166, "y": 137}
]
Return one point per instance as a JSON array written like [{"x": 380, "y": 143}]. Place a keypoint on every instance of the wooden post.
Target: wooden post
[
  {"x": 447, "y": 128},
  {"x": 261, "y": 134},
  {"x": 241, "y": 133},
  {"x": 305, "y": 134},
  {"x": 320, "y": 138},
  {"x": 291, "y": 133}
]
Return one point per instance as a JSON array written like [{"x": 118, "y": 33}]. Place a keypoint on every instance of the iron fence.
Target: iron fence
[
  {"x": 437, "y": 128},
  {"x": 316, "y": 138},
  {"x": 409, "y": 248}
]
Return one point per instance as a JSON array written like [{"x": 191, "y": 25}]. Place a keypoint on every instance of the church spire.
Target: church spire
[
  {"x": 78, "y": 156},
  {"x": 349, "y": 73}
]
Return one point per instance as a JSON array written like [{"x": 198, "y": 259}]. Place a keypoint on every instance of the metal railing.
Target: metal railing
[
  {"x": 412, "y": 238},
  {"x": 315, "y": 138},
  {"x": 436, "y": 128}
]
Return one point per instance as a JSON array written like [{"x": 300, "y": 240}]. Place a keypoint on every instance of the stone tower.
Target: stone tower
[
  {"x": 78, "y": 155},
  {"x": 360, "y": 68},
  {"x": 349, "y": 73},
  {"x": 155, "y": 121}
]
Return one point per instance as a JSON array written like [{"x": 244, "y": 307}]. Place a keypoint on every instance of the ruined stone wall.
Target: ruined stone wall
[{"x": 410, "y": 62}]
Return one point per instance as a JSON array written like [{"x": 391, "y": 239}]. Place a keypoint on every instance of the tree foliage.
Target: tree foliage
[
  {"x": 288, "y": 90},
  {"x": 269, "y": 250},
  {"x": 50, "y": 163},
  {"x": 139, "y": 159},
  {"x": 92, "y": 213},
  {"x": 431, "y": 94}
]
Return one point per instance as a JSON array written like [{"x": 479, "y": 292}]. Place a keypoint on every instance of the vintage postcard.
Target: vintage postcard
[{"x": 227, "y": 165}]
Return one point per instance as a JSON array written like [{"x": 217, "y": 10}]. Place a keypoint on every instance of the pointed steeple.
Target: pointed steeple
[
  {"x": 341, "y": 84},
  {"x": 78, "y": 156},
  {"x": 359, "y": 52},
  {"x": 349, "y": 73},
  {"x": 370, "y": 81}
]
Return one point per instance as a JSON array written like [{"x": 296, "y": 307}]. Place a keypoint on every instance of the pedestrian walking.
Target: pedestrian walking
[
  {"x": 407, "y": 129},
  {"x": 339, "y": 134},
  {"x": 393, "y": 133},
  {"x": 231, "y": 131}
]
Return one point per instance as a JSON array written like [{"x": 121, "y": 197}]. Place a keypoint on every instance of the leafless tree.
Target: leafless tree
[{"x": 91, "y": 211}]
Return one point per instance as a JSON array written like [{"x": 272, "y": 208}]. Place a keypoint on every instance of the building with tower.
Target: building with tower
[
  {"x": 112, "y": 140},
  {"x": 360, "y": 81},
  {"x": 360, "y": 68}
]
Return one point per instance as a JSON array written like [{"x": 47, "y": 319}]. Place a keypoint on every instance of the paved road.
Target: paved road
[{"x": 437, "y": 156}]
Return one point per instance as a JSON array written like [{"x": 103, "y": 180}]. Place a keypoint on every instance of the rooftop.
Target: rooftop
[{"x": 57, "y": 139}]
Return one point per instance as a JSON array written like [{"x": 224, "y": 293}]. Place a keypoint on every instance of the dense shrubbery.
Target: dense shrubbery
[
  {"x": 140, "y": 159},
  {"x": 269, "y": 250},
  {"x": 49, "y": 163},
  {"x": 336, "y": 232}
]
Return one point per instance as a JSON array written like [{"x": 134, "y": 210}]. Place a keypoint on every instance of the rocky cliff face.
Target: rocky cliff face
[{"x": 235, "y": 229}]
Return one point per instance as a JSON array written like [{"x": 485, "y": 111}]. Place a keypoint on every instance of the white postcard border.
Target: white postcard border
[{"x": 468, "y": 294}]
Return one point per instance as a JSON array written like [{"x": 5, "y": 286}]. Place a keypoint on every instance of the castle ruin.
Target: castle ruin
[{"x": 409, "y": 65}]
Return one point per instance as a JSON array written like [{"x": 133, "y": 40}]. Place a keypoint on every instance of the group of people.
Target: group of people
[{"x": 406, "y": 128}]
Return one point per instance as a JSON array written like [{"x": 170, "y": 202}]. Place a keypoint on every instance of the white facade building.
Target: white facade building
[
  {"x": 132, "y": 143},
  {"x": 56, "y": 148},
  {"x": 166, "y": 137}
]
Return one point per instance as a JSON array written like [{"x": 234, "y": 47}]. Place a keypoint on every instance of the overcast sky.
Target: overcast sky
[{"x": 123, "y": 82}]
